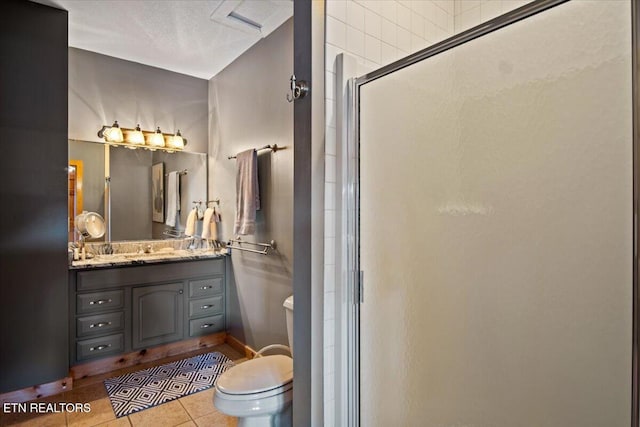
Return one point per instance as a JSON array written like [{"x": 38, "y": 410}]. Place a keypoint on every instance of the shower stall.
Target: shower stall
[{"x": 490, "y": 206}]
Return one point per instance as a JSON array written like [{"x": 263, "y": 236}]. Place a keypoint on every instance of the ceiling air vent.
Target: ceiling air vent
[{"x": 258, "y": 17}]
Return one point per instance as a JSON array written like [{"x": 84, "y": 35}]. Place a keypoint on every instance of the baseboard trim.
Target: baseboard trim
[
  {"x": 113, "y": 363},
  {"x": 238, "y": 345},
  {"x": 37, "y": 391}
]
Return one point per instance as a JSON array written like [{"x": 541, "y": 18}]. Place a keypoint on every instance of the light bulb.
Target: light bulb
[
  {"x": 155, "y": 140},
  {"x": 136, "y": 137},
  {"x": 176, "y": 141},
  {"x": 114, "y": 133}
]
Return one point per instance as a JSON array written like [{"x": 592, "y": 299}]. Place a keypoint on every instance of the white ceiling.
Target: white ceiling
[{"x": 194, "y": 37}]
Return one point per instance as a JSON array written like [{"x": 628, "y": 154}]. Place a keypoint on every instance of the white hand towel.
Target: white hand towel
[
  {"x": 173, "y": 198},
  {"x": 206, "y": 229},
  {"x": 214, "y": 225},
  {"x": 247, "y": 192},
  {"x": 190, "y": 228}
]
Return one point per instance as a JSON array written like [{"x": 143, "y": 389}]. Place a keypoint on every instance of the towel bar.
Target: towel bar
[
  {"x": 173, "y": 233},
  {"x": 273, "y": 148},
  {"x": 267, "y": 246}
]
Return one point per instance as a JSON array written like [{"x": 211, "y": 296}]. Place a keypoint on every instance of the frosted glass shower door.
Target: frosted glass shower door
[{"x": 496, "y": 228}]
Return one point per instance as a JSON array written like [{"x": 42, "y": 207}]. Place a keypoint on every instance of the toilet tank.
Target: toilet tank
[{"x": 288, "y": 309}]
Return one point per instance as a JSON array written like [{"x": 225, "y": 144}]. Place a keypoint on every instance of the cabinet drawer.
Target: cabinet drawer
[
  {"x": 206, "y": 325},
  {"x": 206, "y": 306},
  {"x": 101, "y": 346},
  {"x": 99, "y": 324},
  {"x": 205, "y": 287},
  {"x": 99, "y": 301}
]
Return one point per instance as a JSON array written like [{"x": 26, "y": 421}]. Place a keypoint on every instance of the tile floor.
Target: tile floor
[{"x": 189, "y": 411}]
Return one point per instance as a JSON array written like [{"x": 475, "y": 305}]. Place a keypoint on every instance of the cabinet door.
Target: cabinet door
[
  {"x": 33, "y": 195},
  {"x": 158, "y": 314}
]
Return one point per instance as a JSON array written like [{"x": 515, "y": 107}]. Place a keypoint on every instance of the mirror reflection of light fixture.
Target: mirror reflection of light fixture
[
  {"x": 176, "y": 142},
  {"x": 111, "y": 133},
  {"x": 137, "y": 138},
  {"x": 155, "y": 140}
]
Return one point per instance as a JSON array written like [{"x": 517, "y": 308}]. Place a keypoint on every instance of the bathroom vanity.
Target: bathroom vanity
[{"x": 131, "y": 305}]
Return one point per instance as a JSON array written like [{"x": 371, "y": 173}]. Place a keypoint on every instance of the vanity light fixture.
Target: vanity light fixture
[{"x": 138, "y": 138}]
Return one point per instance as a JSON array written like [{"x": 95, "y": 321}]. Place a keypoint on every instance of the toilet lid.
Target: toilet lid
[{"x": 257, "y": 375}]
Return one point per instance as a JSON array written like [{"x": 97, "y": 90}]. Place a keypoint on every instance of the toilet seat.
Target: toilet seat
[{"x": 257, "y": 378}]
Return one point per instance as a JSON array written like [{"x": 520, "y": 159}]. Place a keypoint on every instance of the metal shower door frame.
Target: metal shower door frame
[{"x": 355, "y": 283}]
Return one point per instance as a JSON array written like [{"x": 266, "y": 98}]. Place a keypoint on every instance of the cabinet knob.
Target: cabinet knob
[
  {"x": 181, "y": 291},
  {"x": 204, "y": 288},
  {"x": 206, "y": 306},
  {"x": 206, "y": 325}
]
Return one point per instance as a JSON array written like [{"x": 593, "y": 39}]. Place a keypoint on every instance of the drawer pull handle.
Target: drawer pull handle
[
  {"x": 100, "y": 347},
  {"x": 206, "y": 325},
  {"x": 206, "y": 306},
  {"x": 101, "y": 301},
  {"x": 100, "y": 325},
  {"x": 204, "y": 288}
]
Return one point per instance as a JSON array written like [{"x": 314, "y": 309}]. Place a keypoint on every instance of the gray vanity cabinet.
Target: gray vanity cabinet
[
  {"x": 118, "y": 310},
  {"x": 157, "y": 314}
]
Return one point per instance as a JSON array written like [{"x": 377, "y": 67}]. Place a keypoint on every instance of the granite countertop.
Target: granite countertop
[{"x": 161, "y": 256}]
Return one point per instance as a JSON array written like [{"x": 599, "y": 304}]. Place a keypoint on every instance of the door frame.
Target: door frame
[
  {"x": 308, "y": 213},
  {"x": 354, "y": 281}
]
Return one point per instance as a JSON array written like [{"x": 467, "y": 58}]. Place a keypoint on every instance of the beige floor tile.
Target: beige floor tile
[
  {"x": 33, "y": 420},
  {"x": 118, "y": 422},
  {"x": 199, "y": 404},
  {"x": 101, "y": 411},
  {"x": 96, "y": 396},
  {"x": 188, "y": 424},
  {"x": 216, "y": 419},
  {"x": 168, "y": 414},
  {"x": 86, "y": 394}
]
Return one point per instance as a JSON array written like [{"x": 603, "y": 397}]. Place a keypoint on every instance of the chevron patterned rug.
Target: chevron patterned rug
[{"x": 145, "y": 389}]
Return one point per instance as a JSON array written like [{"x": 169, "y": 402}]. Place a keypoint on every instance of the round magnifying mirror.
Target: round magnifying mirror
[{"x": 90, "y": 225}]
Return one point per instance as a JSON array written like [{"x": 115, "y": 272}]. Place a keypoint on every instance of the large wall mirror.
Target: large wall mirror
[{"x": 133, "y": 211}]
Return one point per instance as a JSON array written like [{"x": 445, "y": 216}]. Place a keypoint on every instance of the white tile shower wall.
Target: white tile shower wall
[
  {"x": 469, "y": 13},
  {"x": 376, "y": 33}
]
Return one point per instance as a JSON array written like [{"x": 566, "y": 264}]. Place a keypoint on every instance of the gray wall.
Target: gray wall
[{"x": 248, "y": 109}]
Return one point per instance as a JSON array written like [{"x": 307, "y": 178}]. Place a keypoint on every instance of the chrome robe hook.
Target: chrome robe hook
[{"x": 298, "y": 89}]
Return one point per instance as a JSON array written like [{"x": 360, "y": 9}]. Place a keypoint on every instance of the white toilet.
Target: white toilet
[{"x": 259, "y": 391}]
